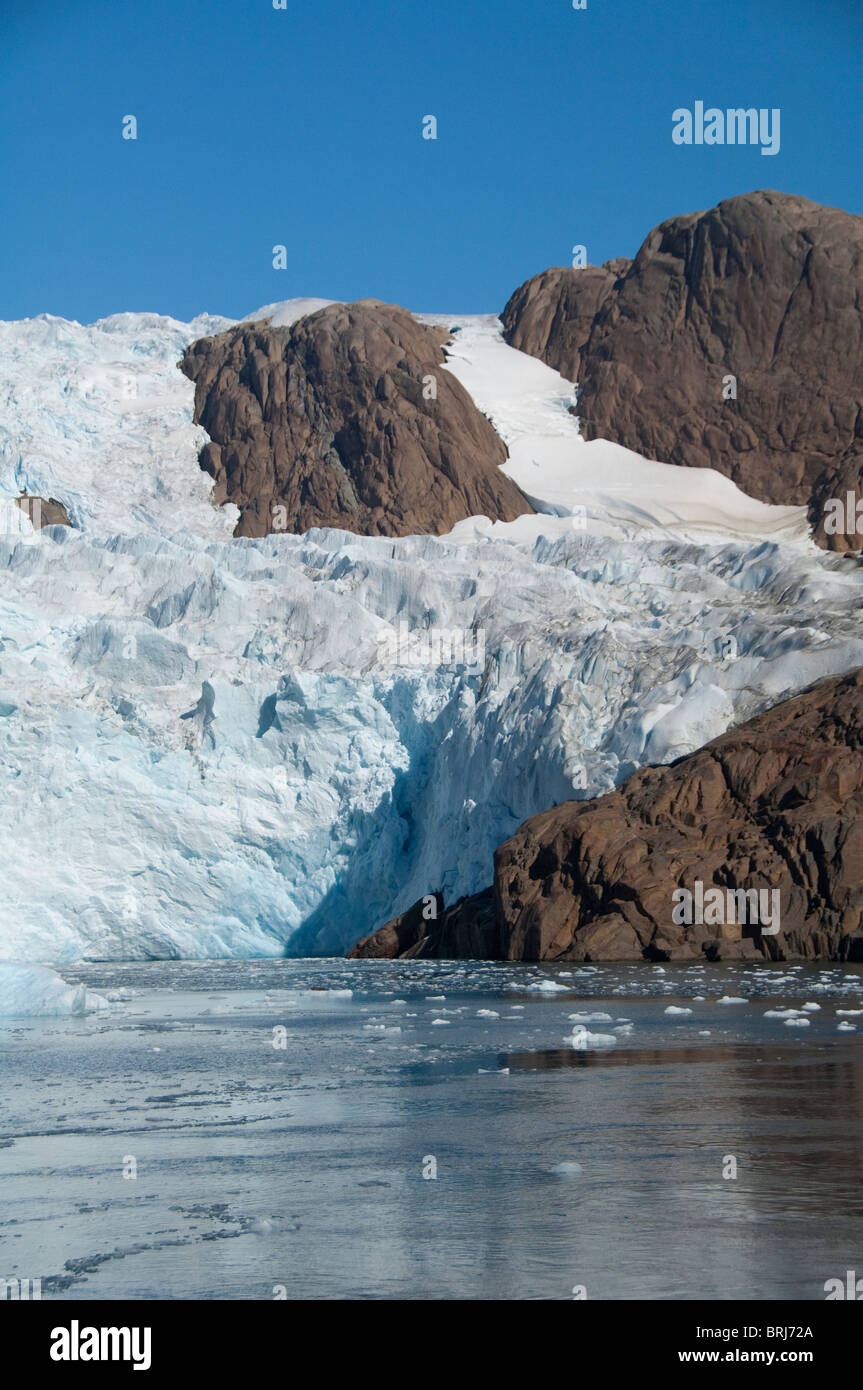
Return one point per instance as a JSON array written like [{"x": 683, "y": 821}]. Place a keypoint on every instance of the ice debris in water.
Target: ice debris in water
[{"x": 38, "y": 991}]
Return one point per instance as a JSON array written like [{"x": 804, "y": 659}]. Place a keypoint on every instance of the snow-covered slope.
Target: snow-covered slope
[
  {"x": 283, "y": 314},
  {"x": 609, "y": 489},
  {"x": 206, "y": 746}
]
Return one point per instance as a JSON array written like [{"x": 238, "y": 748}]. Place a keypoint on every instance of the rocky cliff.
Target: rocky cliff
[
  {"x": 774, "y": 805},
  {"x": 346, "y": 418},
  {"x": 733, "y": 340}
]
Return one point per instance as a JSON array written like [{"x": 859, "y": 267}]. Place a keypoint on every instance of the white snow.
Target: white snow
[
  {"x": 313, "y": 789},
  {"x": 595, "y": 486},
  {"x": 286, "y": 311}
]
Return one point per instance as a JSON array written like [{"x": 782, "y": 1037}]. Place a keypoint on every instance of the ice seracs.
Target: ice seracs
[{"x": 329, "y": 790}]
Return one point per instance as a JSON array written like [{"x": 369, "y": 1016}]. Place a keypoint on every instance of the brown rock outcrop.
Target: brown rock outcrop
[
  {"x": 346, "y": 418},
  {"x": 776, "y": 804},
  {"x": 43, "y": 511},
  {"x": 551, "y": 315},
  {"x": 765, "y": 288},
  {"x": 466, "y": 931}
]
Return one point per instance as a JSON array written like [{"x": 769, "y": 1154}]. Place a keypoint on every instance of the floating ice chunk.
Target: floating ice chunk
[
  {"x": 811, "y": 1008},
  {"x": 582, "y": 1040},
  {"x": 316, "y": 996},
  {"x": 846, "y": 1027},
  {"x": 797, "y": 1023},
  {"x": 28, "y": 991},
  {"x": 851, "y": 1013},
  {"x": 549, "y": 987},
  {"x": 440, "y": 1023},
  {"x": 782, "y": 1013},
  {"x": 589, "y": 1018},
  {"x": 487, "y": 1013},
  {"x": 492, "y": 1071},
  {"x": 673, "y": 1009},
  {"x": 704, "y": 1032},
  {"x": 569, "y": 1168},
  {"x": 732, "y": 999}
]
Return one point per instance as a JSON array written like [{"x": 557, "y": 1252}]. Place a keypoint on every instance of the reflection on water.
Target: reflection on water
[{"x": 303, "y": 1165}]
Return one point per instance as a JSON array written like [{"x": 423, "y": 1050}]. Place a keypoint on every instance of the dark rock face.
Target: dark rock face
[
  {"x": 774, "y": 804},
  {"x": 346, "y": 418},
  {"x": 44, "y": 511},
  {"x": 842, "y": 482},
  {"x": 766, "y": 288},
  {"x": 551, "y": 316},
  {"x": 466, "y": 931}
]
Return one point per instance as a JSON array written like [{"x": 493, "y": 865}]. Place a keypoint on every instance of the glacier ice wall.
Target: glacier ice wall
[{"x": 207, "y": 749}]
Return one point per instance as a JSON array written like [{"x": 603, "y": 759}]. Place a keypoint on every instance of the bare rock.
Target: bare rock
[
  {"x": 468, "y": 930},
  {"x": 776, "y": 803},
  {"x": 43, "y": 511},
  {"x": 345, "y": 418},
  {"x": 733, "y": 340}
]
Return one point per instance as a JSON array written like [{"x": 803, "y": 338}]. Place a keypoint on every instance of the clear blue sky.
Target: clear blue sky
[{"x": 303, "y": 127}]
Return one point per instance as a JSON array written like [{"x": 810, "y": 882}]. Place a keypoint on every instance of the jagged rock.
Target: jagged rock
[
  {"x": 551, "y": 315},
  {"x": 43, "y": 511},
  {"x": 766, "y": 288},
  {"x": 345, "y": 418},
  {"x": 776, "y": 803},
  {"x": 466, "y": 931}
]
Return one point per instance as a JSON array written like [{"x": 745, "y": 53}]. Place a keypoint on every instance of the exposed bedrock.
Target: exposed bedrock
[
  {"x": 774, "y": 806},
  {"x": 733, "y": 340},
  {"x": 346, "y": 418}
]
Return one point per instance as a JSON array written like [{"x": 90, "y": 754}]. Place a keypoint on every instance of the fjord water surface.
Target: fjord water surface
[{"x": 266, "y": 1170}]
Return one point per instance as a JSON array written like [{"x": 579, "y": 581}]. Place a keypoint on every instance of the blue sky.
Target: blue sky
[{"x": 302, "y": 127}]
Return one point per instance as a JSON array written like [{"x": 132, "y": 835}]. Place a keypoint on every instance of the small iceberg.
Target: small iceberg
[
  {"x": 583, "y": 1041},
  {"x": 37, "y": 991}
]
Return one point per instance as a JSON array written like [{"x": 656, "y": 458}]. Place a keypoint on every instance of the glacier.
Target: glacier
[{"x": 207, "y": 749}]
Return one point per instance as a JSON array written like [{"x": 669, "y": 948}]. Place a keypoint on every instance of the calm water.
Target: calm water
[{"x": 302, "y": 1167}]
